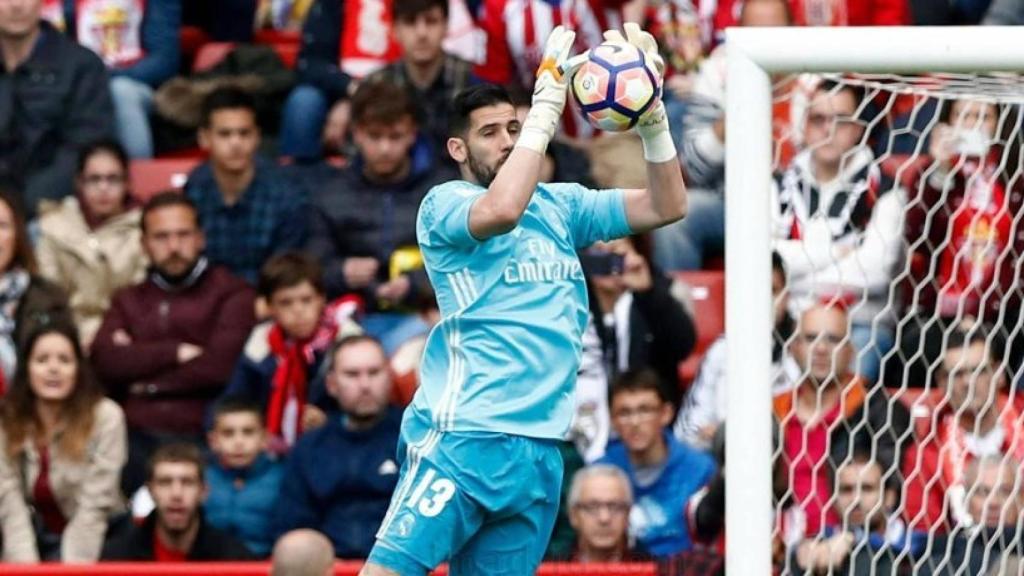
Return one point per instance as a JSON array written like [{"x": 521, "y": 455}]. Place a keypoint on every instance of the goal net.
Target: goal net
[{"x": 896, "y": 204}]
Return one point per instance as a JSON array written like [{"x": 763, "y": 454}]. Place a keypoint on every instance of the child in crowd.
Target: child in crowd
[
  {"x": 280, "y": 367},
  {"x": 243, "y": 480}
]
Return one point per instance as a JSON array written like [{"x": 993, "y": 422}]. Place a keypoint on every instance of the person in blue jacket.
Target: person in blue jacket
[
  {"x": 340, "y": 477},
  {"x": 243, "y": 481},
  {"x": 664, "y": 473},
  {"x": 141, "y": 51}
]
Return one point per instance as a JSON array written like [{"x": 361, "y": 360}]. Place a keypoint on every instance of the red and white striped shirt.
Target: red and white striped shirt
[{"x": 516, "y": 30}]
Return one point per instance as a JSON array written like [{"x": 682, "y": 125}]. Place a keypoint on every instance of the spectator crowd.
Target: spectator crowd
[{"x": 217, "y": 370}]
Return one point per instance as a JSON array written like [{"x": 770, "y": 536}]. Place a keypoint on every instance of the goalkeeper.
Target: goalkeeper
[{"x": 481, "y": 472}]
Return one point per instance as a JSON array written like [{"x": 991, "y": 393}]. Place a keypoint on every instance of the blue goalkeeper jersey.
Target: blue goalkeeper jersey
[{"x": 505, "y": 354}]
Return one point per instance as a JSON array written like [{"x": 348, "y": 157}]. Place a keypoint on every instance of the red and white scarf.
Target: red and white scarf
[{"x": 290, "y": 382}]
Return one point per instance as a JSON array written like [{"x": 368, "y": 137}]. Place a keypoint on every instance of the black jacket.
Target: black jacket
[
  {"x": 966, "y": 552},
  {"x": 50, "y": 105},
  {"x": 353, "y": 216},
  {"x": 136, "y": 544},
  {"x": 661, "y": 332}
]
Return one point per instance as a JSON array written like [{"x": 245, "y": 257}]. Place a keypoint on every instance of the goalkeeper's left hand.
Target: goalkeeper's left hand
[
  {"x": 549, "y": 90},
  {"x": 653, "y": 125}
]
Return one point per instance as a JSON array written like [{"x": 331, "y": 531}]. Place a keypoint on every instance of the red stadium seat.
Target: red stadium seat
[
  {"x": 288, "y": 53},
  {"x": 707, "y": 288},
  {"x": 149, "y": 177},
  {"x": 191, "y": 39},
  {"x": 210, "y": 55},
  {"x": 271, "y": 36},
  {"x": 285, "y": 43}
]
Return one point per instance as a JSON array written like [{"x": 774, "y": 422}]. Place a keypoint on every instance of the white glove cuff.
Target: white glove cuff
[
  {"x": 659, "y": 147},
  {"x": 537, "y": 131}
]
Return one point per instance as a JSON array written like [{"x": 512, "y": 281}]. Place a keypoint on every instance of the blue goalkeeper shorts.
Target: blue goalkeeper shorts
[{"x": 483, "y": 501}]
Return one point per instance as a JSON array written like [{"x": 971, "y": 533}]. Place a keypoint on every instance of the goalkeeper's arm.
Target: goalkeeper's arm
[
  {"x": 498, "y": 211},
  {"x": 664, "y": 199}
]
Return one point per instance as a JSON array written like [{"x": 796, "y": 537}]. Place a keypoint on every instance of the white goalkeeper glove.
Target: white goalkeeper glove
[
  {"x": 653, "y": 125},
  {"x": 549, "y": 91}
]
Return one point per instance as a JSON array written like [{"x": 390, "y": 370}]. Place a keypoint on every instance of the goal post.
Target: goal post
[{"x": 753, "y": 55}]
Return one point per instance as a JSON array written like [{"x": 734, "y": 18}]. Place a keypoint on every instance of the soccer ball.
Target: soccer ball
[{"x": 615, "y": 86}]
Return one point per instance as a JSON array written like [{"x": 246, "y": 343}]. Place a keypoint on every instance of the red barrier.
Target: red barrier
[{"x": 263, "y": 568}]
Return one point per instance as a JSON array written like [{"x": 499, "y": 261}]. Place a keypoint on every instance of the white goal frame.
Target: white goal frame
[{"x": 753, "y": 54}]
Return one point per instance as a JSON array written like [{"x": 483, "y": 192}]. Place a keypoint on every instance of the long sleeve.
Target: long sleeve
[
  {"x": 703, "y": 154},
  {"x": 707, "y": 510},
  {"x": 701, "y": 406},
  {"x": 89, "y": 117},
  {"x": 160, "y": 41},
  {"x": 235, "y": 319},
  {"x": 813, "y": 251},
  {"x": 322, "y": 246},
  {"x": 869, "y": 267},
  {"x": 100, "y": 492},
  {"x": 293, "y": 227},
  {"x": 672, "y": 332},
  {"x": 321, "y": 47},
  {"x": 295, "y": 505},
  {"x": 120, "y": 366},
  {"x": 49, "y": 262},
  {"x": 18, "y": 537}
]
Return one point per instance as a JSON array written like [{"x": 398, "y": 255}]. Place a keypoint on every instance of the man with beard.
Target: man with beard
[
  {"x": 340, "y": 476},
  {"x": 176, "y": 530},
  {"x": 167, "y": 346},
  {"x": 481, "y": 468}
]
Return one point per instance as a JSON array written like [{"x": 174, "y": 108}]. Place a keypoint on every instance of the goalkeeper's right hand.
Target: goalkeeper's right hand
[{"x": 549, "y": 90}]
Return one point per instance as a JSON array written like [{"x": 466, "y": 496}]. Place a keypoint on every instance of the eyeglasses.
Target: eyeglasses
[
  {"x": 613, "y": 508},
  {"x": 820, "y": 119},
  {"x": 832, "y": 340},
  {"x": 645, "y": 412},
  {"x": 97, "y": 179}
]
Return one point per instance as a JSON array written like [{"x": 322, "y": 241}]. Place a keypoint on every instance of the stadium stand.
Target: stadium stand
[
  {"x": 148, "y": 177},
  {"x": 707, "y": 288}
]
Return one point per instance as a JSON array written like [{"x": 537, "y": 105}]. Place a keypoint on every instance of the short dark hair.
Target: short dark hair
[
  {"x": 830, "y": 86},
  {"x": 235, "y": 404},
  {"x": 859, "y": 451},
  {"x": 645, "y": 380},
  {"x": 176, "y": 452},
  {"x": 381, "y": 101},
  {"x": 980, "y": 333},
  {"x": 408, "y": 10},
  {"x": 290, "y": 269},
  {"x": 102, "y": 146},
  {"x": 167, "y": 199},
  {"x": 226, "y": 98},
  {"x": 471, "y": 99}
]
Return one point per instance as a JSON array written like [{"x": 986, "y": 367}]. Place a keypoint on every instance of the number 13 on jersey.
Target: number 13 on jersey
[{"x": 431, "y": 503}]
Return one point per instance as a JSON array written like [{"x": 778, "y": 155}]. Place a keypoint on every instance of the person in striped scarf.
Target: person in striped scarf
[{"x": 281, "y": 365}]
